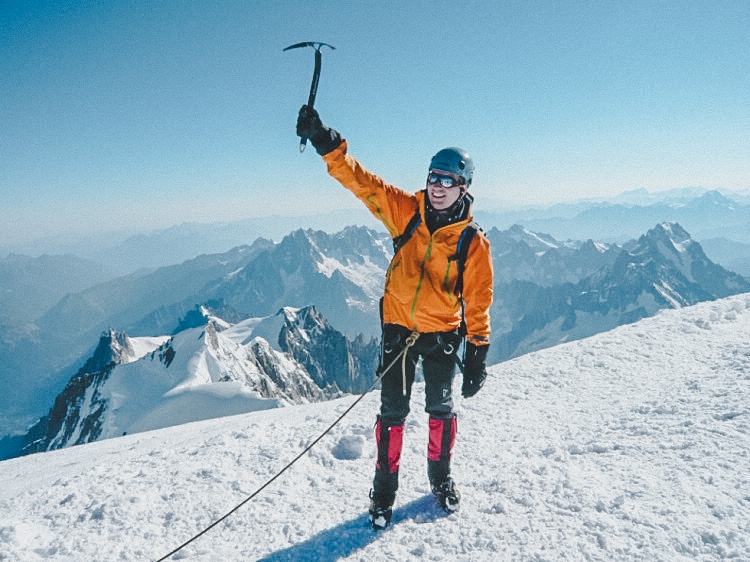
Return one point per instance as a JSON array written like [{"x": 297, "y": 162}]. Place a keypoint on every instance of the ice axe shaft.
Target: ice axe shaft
[
  {"x": 316, "y": 75},
  {"x": 315, "y": 80}
]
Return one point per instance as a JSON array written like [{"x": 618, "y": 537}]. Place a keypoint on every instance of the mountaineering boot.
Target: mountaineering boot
[
  {"x": 380, "y": 512},
  {"x": 389, "y": 440},
  {"x": 442, "y": 437},
  {"x": 447, "y": 495}
]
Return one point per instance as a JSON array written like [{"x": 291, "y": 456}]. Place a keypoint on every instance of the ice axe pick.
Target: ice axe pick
[{"x": 316, "y": 75}]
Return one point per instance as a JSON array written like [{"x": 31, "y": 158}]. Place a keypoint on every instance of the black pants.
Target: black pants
[{"x": 437, "y": 351}]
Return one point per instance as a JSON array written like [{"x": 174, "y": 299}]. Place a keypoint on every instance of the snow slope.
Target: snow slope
[{"x": 630, "y": 445}]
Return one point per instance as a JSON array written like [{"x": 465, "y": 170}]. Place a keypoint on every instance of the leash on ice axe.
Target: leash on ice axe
[
  {"x": 410, "y": 342},
  {"x": 316, "y": 75}
]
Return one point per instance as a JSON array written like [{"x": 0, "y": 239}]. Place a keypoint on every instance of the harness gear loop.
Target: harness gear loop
[{"x": 410, "y": 341}]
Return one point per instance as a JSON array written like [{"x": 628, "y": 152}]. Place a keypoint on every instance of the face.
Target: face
[{"x": 441, "y": 196}]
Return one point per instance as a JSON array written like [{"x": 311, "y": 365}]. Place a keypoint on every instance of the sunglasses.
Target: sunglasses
[{"x": 444, "y": 180}]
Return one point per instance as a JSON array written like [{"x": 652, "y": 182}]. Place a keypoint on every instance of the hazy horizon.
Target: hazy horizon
[{"x": 132, "y": 115}]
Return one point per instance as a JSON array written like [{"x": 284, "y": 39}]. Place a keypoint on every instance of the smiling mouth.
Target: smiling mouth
[{"x": 439, "y": 201}]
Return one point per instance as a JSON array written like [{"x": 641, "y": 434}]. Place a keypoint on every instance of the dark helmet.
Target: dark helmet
[{"x": 455, "y": 160}]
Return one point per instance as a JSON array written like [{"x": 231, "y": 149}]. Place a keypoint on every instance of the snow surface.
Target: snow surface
[
  {"x": 630, "y": 445},
  {"x": 367, "y": 275},
  {"x": 142, "y": 346}
]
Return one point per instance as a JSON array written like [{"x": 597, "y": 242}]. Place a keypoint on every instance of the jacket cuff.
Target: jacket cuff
[
  {"x": 479, "y": 340},
  {"x": 336, "y": 153}
]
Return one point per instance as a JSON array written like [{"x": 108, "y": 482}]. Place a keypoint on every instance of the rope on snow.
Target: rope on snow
[{"x": 409, "y": 342}]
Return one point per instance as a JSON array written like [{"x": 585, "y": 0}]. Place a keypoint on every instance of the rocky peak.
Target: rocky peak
[
  {"x": 670, "y": 232},
  {"x": 113, "y": 348},
  {"x": 330, "y": 358},
  {"x": 214, "y": 310}
]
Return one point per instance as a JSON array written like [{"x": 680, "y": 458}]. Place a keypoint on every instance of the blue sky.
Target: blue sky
[{"x": 144, "y": 114}]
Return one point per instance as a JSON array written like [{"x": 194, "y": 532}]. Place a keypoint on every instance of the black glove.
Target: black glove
[
  {"x": 309, "y": 126},
  {"x": 475, "y": 369}
]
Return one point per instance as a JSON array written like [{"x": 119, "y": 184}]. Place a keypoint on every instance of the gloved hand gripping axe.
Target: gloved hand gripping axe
[{"x": 316, "y": 75}]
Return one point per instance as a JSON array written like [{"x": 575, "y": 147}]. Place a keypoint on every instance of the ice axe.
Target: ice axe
[{"x": 316, "y": 75}]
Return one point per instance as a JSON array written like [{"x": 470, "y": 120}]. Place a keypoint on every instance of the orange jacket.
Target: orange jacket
[{"x": 420, "y": 281}]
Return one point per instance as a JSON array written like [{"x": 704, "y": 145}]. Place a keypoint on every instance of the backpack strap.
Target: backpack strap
[
  {"x": 403, "y": 238},
  {"x": 462, "y": 253}
]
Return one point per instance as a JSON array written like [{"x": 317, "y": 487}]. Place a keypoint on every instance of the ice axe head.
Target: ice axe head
[
  {"x": 316, "y": 74},
  {"x": 314, "y": 44}
]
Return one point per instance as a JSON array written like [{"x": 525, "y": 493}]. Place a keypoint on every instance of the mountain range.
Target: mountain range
[
  {"x": 29, "y": 286},
  {"x": 705, "y": 214},
  {"x": 214, "y": 369},
  {"x": 720, "y": 221},
  {"x": 338, "y": 273},
  {"x": 567, "y": 292},
  {"x": 722, "y": 217},
  {"x": 546, "y": 292}
]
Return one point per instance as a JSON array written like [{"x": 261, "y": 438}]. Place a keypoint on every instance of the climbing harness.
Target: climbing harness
[
  {"x": 448, "y": 349},
  {"x": 409, "y": 342}
]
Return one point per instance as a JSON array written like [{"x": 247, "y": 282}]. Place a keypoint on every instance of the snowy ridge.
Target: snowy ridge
[
  {"x": 541, "y": 285},
  {"x": 631, "y": 445},
  {"x": 212, "y": 370},
  {"x": 520, "y": 254},
  {"x": 142, "y": 346},
  {"x": 362, "y": 271}
]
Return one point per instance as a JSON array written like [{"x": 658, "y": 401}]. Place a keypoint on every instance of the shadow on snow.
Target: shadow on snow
[{"x": 348, "y": 537}]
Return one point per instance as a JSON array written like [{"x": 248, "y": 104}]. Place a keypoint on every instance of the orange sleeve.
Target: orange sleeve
[
  {"x": 391, "y": 205},
  {"x": 478, "y": 283}
]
